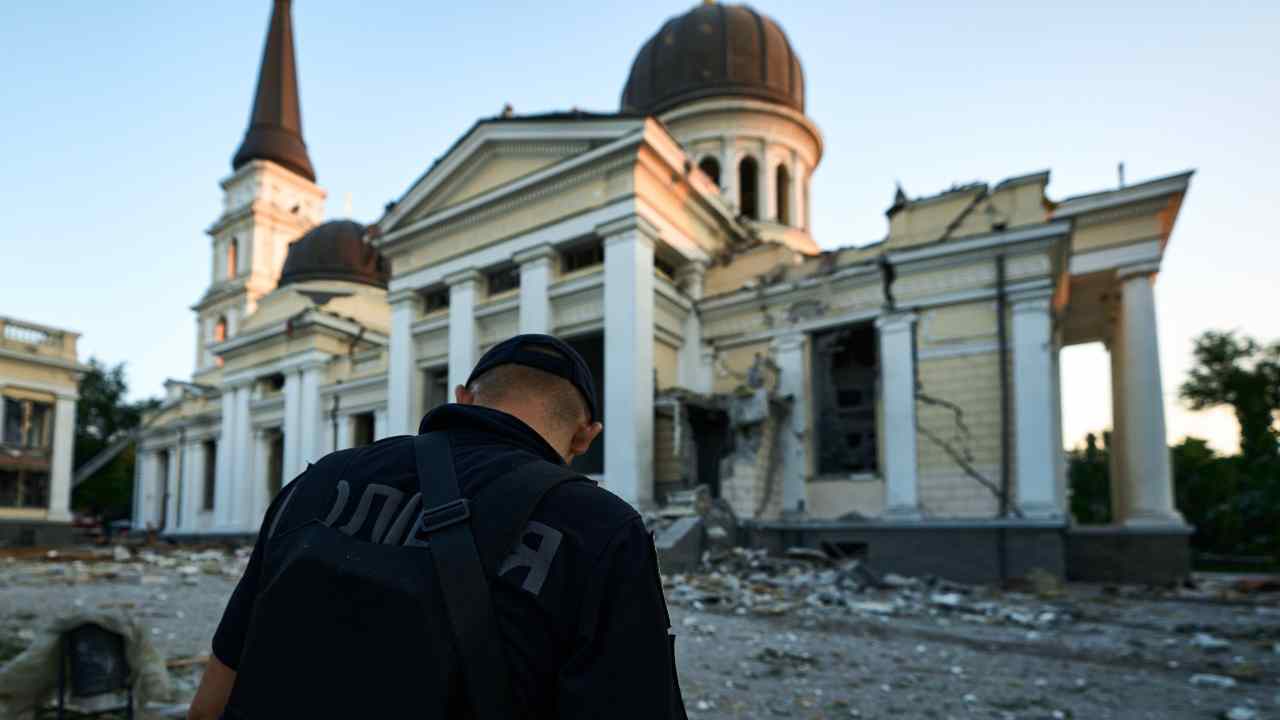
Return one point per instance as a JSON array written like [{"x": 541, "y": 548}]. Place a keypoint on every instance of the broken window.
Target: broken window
[
  {"x": 162, "y": 485},
  {"x": 582, "y": 255},
  {"x": 711, "y": 168},
  {"x": 24, "y": 488},
  {"x": 433, "y": 300},
  {"x": 747, "y": 177},
  {"x": 27, "y": 423},
  {"x": 845, "y": 375},
  {"x": 210, "y": 474},
  {"x": 503, "y": 279}
]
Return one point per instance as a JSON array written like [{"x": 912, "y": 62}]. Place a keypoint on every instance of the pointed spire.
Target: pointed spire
[
  {"x": 900, "y": 201},
  {"x": 275, "y": 127}
]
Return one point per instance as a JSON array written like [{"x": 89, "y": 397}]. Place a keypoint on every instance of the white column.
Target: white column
[
  {"x": 344, "y": 431},
  {"x": 1059, "y": 457},
  {"x": 462, "y": 325},
  {"x": 1150, "y": 480},
  {"x": 1116, "y": 446},
  {"x": 535, "y": 284},
  {"x": 64, "y": 433},
  {"x": 1033, "y": 407},
  {"x": 898, "y": 383},
  {"x": 400, "y": 369},
  {"x": 259, "y": 496},
  {"x": 793, "y": 381},
  {"x": 729, "y": 175},
  {"x": 223, "y": 493},
  {"x": 380, "y": 429},
  {"x": 171, "y": 488},
  {"x": 292, "y": 425},
  {"x": 693, "y": 374},
  {"x": 193, "y": 482},
  {"x": 796, "y": 170},
  {"x": 242, "y": 512},
  {"x": 309, "y": 447},
  {"x": 628, "y": 361}
]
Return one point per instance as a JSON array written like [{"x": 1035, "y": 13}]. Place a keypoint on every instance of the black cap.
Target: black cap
[{"x": 546, "y": 353}]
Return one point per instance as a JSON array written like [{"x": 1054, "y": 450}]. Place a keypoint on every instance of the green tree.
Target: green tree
[
  {"x": 1089, "y": 475},
  {"x": 1206, "y": 489},
  {"x": 1241, "y": 373},
  {"x": 103, "y": 416}
]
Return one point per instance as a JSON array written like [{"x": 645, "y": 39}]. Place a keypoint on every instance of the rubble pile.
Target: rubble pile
[
  {"x": 146, "y": 566},
  {"x": 809, "y": 583}
]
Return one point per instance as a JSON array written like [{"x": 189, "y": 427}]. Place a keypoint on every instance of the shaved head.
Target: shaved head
[{"x": 559, "y": 401}]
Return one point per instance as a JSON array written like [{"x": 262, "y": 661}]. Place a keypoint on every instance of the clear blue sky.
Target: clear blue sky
[{"x": 119, "y": 118}]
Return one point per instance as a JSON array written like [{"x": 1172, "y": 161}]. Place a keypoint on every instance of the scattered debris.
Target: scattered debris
[
  {"x": 1218, "y": 681},
  {"x": 1209, "y": 643},
  {"x": 1240, "y": 712},
  {"x": 809, "y": 582}
]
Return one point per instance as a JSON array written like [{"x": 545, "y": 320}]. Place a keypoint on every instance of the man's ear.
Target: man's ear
[
  {"x": 582, "y": 438},
  {"x": 463, "y": 396}
]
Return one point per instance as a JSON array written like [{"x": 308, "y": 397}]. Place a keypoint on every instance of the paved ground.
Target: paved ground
[{"x": 1115, "y": 656}]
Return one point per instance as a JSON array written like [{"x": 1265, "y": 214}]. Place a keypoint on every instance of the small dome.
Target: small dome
[
  {"x": 334, "y": 251},
  {"x": 714, "y": 50}
]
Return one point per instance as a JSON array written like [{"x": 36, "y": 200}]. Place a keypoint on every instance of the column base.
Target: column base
[
  {"x": 1154, "y": 555},
  {"x": 902, "y": 512},
  {"x": 1172, "y": 520},
  {"x": 1041, "y": 511}
]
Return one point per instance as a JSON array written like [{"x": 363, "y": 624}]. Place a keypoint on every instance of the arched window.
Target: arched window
[
  {"x": 783, "y": 189},
  {"x": 711, "y": 168},
  {"x": 747, "y": 187},
  {"x": 233, "y": 249},
  {"x": 219, "y": 334}
]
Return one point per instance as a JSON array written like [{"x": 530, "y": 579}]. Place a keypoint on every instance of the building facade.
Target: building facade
[
  {"x": 907, "y": 386},
  {"x": 39, "y": 386}
]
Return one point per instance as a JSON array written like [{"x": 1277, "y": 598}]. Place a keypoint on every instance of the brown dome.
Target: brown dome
[
  {"x": 714, "y": 50},
  {"x": 334, "y": 251}
]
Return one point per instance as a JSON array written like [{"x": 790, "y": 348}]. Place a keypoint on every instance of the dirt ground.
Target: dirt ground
[{"x": 908, "y": 651}]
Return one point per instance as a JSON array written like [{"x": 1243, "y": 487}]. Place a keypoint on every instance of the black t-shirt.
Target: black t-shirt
[{"x": 578, "y": 602}]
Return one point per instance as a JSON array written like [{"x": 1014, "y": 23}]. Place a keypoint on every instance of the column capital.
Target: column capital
[
  {"x": 788, "y": 342},
  {"x": 896, "y": 321},
  {"x": 1145, "y": 269},
  {"x": 690, "y": 276},
  {"x": 1032, "y": 304},
  {"x": 533, "y": 254},
  {"x": 621, "y": 228},
  {"x": 470, "y": 275}
]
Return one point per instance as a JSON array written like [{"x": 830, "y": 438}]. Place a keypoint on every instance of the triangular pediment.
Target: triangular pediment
[{"x": 496, "y": 154}]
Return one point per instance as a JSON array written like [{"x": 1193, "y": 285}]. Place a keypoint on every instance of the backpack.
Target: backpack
[{"x": 343, "y": 627}]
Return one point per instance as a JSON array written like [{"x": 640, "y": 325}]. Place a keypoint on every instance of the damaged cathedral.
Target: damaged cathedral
[{"x": 898, "y": 401}]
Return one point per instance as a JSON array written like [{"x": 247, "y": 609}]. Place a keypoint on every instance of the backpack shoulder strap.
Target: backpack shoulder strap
[
  {"x": 444, "y": 528},
  {"x": 506, "y": 505},
  {"x": 466, "y": 550}
]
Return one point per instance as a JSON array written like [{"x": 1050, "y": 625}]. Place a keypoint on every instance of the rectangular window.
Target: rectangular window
[
  {"x": 27, "y": 423},
  {"x": 362, "y": 429},
  {"x": 503, "y": 279},
  {"x": 210, "y": 473},
  {"x": 664, "y": 267},
  {"x": 582, "y": 255},
  {"x": 845, "y": 372},
  {"x": 434, "y": 300}
]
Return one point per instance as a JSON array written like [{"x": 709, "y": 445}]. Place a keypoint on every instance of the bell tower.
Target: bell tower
[{"x": 269, "y": 200}]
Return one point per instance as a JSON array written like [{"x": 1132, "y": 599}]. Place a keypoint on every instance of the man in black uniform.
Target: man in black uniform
[{"x": 578, "y": 604}]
